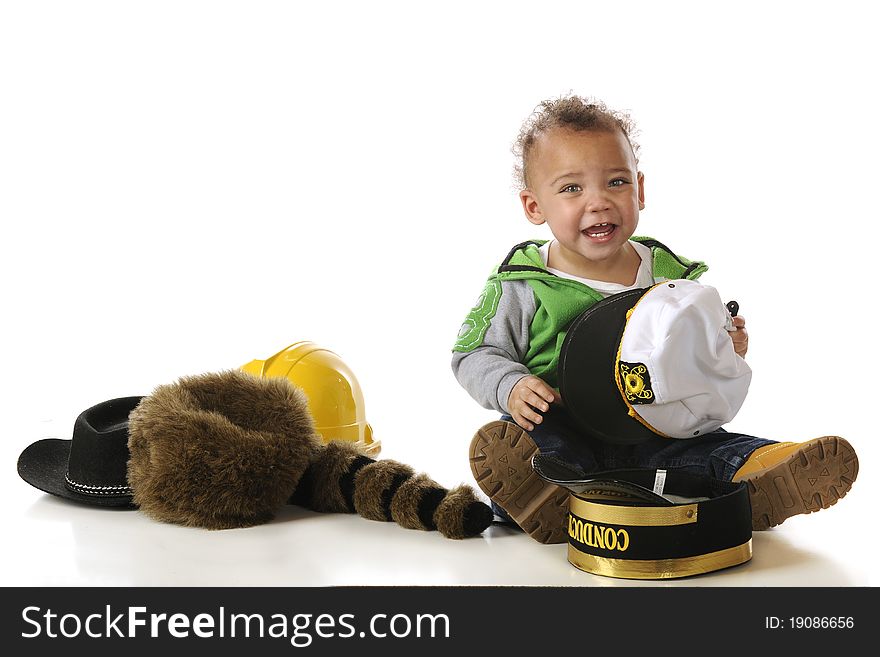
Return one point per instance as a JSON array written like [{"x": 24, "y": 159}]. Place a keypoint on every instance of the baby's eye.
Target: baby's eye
[
  {"x": 571, "y": 188},
  {"x": 618, "y": 182}
]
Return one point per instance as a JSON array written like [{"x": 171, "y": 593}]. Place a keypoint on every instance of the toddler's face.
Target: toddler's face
[{"x": 586, "y": 187}]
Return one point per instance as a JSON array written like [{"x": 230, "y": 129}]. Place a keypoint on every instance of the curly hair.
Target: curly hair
[{"x": 572, "y": 112}]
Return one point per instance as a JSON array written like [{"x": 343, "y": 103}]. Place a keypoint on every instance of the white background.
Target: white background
[{"x": 186, "y": 186}]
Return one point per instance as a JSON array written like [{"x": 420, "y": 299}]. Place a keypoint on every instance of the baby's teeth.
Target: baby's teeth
[{"x": 589, "y": 230}]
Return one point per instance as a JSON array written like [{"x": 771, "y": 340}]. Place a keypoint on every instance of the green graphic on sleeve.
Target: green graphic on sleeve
[{"x": 477, "y": 322}]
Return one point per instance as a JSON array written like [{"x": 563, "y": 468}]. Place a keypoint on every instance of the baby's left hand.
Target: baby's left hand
[{"x": 740, "y": 337}]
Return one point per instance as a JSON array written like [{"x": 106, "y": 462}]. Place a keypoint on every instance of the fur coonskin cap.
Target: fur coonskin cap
[
  {"x": 229, "y": 449},
  {"x": 219, "y": 450}
]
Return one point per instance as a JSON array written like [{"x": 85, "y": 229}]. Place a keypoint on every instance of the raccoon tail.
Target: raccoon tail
[{"x": 341, "y": 479}]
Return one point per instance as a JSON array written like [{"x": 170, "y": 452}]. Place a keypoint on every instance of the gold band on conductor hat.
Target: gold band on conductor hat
[
  {"x": 660, "y": 568},
  {"x": 632, "y": 411},
  {"x": 633, "y": 516}
]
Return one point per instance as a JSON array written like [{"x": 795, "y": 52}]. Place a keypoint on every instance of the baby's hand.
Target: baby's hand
[
  {"x": 740, "y": 336},
  {"x": 529, "y": 398}
]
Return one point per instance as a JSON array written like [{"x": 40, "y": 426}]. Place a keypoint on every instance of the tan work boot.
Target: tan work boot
[
  {"x": 501, "y": 460},
  {"x": 785, "y": 479}
]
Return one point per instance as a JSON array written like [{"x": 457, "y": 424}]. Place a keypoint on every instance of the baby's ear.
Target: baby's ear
[
  {"x": 531, "y": 207},
  {"x": 641, "y": 180}
]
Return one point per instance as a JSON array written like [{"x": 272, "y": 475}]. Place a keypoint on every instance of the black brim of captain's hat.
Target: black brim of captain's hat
[{"x": 586, "y": 372}]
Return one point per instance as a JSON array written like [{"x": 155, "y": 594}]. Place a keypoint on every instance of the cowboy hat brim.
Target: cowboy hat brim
[
  {"x": 44, "y": 466},
  {"x": 586, "y": 371}
]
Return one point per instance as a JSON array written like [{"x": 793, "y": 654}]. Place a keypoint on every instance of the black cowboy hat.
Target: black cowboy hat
[{"x": 91, "y": 467}]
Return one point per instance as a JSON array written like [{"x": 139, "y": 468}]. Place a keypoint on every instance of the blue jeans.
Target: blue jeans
[{"x": 718, "y": 454}]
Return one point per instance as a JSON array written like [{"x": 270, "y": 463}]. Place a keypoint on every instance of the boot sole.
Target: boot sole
[
  {"x": 501, "y": 462},
  {"x": 812, "y": 478}
]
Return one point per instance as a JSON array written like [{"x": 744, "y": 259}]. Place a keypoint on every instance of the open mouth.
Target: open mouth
[{"x": 600, "y": 232}]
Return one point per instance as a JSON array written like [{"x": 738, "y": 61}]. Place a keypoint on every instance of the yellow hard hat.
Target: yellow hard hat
[{"x": 335, "y": 399}]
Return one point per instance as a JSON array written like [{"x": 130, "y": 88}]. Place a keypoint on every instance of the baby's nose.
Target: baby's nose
[{"x": 597, "y": 201}]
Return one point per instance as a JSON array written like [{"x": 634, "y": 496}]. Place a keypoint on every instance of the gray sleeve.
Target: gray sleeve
[{"x": 490, "y": 371}]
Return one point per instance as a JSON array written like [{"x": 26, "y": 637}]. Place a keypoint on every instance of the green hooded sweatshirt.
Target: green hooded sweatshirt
[{"x": 519, "y": 323}]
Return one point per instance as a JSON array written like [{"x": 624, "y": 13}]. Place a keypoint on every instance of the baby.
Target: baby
[{"x": 578, "y": 170}]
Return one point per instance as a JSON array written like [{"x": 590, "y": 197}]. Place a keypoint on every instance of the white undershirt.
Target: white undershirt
[{"x": 644, "y": 278}]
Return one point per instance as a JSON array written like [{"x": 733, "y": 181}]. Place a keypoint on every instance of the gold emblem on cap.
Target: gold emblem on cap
[{"x": 636, "y": 383}]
